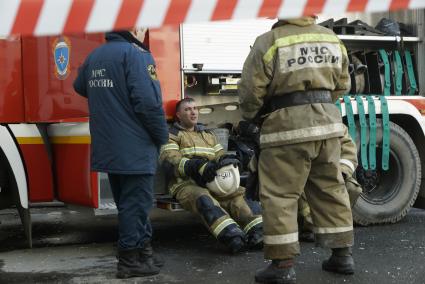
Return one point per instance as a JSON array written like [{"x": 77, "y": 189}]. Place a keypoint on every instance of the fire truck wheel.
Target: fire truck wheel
[{"x": 388, "y": 195}]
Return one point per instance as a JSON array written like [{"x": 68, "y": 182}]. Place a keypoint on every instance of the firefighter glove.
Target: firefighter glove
[
  {"x": 200, "y": 170},
  {"x": 248, "y": 129},
  {"x": 192, "y": 167},
  {"x": 208, "y": 171},
  {"x": 226, "y": 160}
]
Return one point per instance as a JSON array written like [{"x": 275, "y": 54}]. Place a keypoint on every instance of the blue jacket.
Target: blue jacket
[{"x": 127, "y": 121}]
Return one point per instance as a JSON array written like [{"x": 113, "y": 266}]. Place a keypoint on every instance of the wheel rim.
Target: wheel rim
[{"x": 380, "y": 186}]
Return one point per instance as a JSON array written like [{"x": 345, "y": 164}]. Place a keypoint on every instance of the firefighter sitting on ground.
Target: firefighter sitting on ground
[
  {"x": 194, "y": 156},
  {"x": 348, "y": 163}
]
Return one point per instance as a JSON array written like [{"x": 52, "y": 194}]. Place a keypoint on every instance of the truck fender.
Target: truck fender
[{"x": 13, "y": 156}]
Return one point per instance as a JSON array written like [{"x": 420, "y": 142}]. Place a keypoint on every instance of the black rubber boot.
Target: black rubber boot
[
  {"x": 130, "y": 265},
  {"x": 233, "y": 238},
  {"x": 341, "y": 261},
  {"x": 279, "y": 272},
  {"x": 235, "y": 244},
  {"x": 146, "y": 253}
]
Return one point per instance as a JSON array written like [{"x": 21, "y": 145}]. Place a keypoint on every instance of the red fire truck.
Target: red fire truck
[{"x": 45, "y": 140}]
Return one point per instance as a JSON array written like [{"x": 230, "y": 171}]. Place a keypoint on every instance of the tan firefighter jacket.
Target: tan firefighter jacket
[
  {"x": 296, "y": 55},
  {"x": 183, "y": 145},
  {"x": 348, "y": 161}
]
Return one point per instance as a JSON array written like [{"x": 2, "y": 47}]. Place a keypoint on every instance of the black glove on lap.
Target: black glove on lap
[
  {"x": 209, "y": 171},
  {"x": 226, "y": 160},
  {"x": 192, "y": 167}
]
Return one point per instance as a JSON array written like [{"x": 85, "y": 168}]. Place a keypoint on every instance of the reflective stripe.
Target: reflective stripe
[
  {"x": 294, "y": 39},
  {"x": 179, "y": 183},
  {"x": 220, "y": 227},
  {"x": 29, "y": 140},
  {"x": 181, "y": 166},
  {"x": 201, "y": 170},
  {"x": 335, "y": 230},
  {"x": 217, "y": 148},
  {"x": 323, "y": 55},
  {"x": 348, "y": 163},
  {"x": 296, "y": 134},
  {"x": 281, "y": 239},
  {"x": 173, "y": 189},
  {"x": 70, "y": 140},
  {"x": 251, "y": 224},
  {"x": 167, "y": 147},
  {"x": 198, "y": 150}
]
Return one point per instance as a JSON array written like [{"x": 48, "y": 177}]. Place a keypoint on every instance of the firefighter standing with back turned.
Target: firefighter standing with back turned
[{"x": 293, "y": 74}]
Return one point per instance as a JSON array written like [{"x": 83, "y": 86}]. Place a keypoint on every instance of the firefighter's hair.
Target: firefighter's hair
[{"x": 185, "y": 100}]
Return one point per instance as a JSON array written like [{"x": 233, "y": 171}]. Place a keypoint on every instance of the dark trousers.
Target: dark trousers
[{"x": 133, "y": 195}]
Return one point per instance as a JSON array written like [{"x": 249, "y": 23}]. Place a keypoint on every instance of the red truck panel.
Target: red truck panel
[
  {"x": 11, "y": 96},
  {"x": 49, "y": 95},
  {"x": 75, "y": 183},
  {"x": 165, "y": 46},
  {"x": 39, "y": 171}
]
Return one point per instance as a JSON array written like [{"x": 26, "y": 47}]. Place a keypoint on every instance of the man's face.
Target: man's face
[{"x": 188, "y": 115}]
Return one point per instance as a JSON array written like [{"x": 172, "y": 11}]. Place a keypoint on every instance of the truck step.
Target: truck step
[
  {"x": 106, "y": 207},
  {"x": 168, "y": 203}
]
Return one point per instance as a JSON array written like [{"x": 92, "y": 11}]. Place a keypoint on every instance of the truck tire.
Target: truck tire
[{"x": 388, "y": 195}]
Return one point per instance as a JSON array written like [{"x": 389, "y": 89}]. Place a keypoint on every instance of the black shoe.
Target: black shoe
[
  {"x": 339, "y": 264},
  {"x": 235, "y": 244},
  {"x": 307, "y": 237},
  {"x": 279, "y": 272},
  {"x": 147, "y": 253},
  {"x": 130, "y": 265},
  {"x": 158, "y": 260}
]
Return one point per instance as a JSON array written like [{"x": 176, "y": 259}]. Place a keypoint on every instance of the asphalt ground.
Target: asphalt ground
[{"x": 74, "y": 247}]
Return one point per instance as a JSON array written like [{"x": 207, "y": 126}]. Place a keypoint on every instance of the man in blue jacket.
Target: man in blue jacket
[{"x": 128, "y": 127}]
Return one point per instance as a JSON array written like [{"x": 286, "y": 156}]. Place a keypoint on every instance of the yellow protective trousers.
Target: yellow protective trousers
[
  {"x": 224, "y": 216},
  {"x": 284, "y": 172},
  {"x": 353, "y": 188}
]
